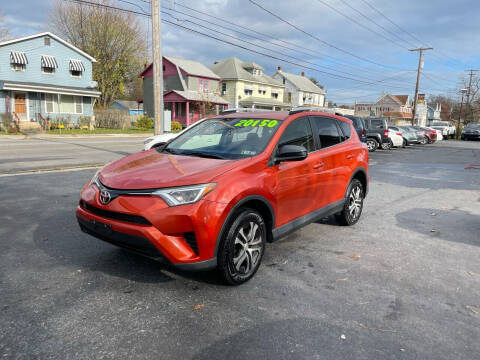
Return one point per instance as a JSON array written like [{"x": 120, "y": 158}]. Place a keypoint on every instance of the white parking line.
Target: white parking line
[{"x": 55, "y": 170}]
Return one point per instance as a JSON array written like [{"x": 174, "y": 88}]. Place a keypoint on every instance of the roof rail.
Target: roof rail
[
  {"x": 307, "y": 108},
  {"x": 235, "y": 110}
]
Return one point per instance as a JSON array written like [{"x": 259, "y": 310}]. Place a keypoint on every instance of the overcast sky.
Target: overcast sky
[{"x": 451, "y": 27}]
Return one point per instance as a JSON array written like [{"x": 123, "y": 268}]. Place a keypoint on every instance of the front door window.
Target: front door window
[{"x": 20, "y": 106}]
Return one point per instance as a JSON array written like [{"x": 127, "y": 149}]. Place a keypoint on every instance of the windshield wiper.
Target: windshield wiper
[{"x": 201, "y": 154}]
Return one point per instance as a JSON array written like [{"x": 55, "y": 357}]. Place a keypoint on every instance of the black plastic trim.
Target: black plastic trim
[
  {"x": 113, "y": 215},
  {"x": 358, "y": 170},
  {"x": 302, "y": 221}
]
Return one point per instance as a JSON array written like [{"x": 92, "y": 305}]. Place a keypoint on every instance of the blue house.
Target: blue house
[
  {"x": 130, "y": 107},
  {"x": 44, "y": 78}
]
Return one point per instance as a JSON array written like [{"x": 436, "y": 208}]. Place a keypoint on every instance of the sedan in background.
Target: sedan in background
[
  {"x": 409, "y": 135},
  {"x": 428, "y": 135},
  {"x": 396, "y": 140},
  {"x": 471, "y": 132}
]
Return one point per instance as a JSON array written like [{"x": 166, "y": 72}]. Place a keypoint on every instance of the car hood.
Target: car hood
[{"x": 151, "y": 169}]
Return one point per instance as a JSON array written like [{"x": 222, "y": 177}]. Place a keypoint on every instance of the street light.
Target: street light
[{"x": 463, "y": 92}]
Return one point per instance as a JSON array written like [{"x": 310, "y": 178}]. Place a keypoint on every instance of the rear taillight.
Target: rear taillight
[
  {"x": 399, "y": 134},
  {"x": 385, "y": 133},
  {"x": 433, "y": 132}
]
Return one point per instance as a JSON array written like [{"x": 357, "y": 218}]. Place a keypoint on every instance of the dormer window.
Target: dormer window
[
  {"x": 49, "y": 64},
  {"x": 76, "y": 68},
  {"x": 18, "y": 61},
  {"x": 46, "y": 41}
]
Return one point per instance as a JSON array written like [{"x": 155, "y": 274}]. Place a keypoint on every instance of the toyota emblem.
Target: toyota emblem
[{"x": 105, "y": 197}]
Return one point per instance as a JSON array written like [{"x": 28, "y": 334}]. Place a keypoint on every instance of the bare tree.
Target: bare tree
[
  {"x": 4, "y": 32},
  {"x": 114, "y": 38}
]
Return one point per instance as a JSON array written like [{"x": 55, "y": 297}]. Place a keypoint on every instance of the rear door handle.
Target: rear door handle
[
  {"x": 318, "y": 165},
  {"x": 350, "y": 156}
]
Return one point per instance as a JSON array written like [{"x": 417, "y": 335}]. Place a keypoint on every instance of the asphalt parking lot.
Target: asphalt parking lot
[{"x": 403, "y": 283}]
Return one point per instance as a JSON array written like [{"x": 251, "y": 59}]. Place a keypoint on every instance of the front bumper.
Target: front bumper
[
  {"x": 470, "y": 136},
  {"x": 183, "y": 236}
]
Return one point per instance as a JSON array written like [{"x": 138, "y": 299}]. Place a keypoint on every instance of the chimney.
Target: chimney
[
  {"x": 279, "y": 68},
  {"x": 303, "y": 73}
]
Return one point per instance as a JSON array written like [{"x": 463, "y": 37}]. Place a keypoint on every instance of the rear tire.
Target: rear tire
[
  {"x": 405, "y": 143},
  {"x": 372, "y": 145},
  {"x": 352, "y": 209},
  {"x": 424, "y": 140},
  {"x": 242, "y": 247},
  {"x": 387, "y": 145}
]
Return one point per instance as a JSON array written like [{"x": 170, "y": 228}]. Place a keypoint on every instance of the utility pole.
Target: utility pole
[
  {"x": 469, "y": 89},
  {"x": 157, "y": 68},
  {"x": 463, "y": 91},
  {"x": 419, "y": 70}
]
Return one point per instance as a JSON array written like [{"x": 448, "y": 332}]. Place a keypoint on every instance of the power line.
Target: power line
[
  {"x": 317, "y": 38},
  {"x": 359, "y": 23}
]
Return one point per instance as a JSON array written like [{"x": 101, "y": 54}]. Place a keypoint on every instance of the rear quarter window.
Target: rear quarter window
[{"x": 346, "y": 130}]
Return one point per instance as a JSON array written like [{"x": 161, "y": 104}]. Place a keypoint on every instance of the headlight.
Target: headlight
[{"x": 184, "y": 194}]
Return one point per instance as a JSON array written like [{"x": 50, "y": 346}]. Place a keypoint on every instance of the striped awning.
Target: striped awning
[
  {"x": 18, "y": 57},
  {"x": 49, "y": 62},
  {"x": 76, "y": 65}
]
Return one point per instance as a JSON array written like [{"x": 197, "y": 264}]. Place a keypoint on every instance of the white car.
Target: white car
[
  {"x": 158, "y": 140},
  {"x": 447, "y": 130},
  {"x": 396, "y": 140}
]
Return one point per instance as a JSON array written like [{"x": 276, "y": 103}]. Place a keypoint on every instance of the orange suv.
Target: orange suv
[{"x": 215, "y": 195}]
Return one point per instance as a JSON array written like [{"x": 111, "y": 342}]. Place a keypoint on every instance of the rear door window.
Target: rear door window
[
  {"x": 377, "y": 124},
  {"x": 346, "y": 130},
  {"x": 298, "y": 133},
  {"x": 327, "y": 131}
]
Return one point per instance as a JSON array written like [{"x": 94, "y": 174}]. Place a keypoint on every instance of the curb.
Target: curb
[{"x": 50, "y": 136}]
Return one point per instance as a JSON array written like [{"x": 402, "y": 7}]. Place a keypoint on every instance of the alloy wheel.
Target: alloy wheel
[
  {"x": 370, "y": 145},
  {"x": 248, "y": 247},
  {"x": 355, "y": 202}
]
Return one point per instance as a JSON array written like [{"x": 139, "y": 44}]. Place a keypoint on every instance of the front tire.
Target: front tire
[
  {"x": 242, "y": 247},
  {"x": 405, "y": 143},
  {"x": 387, "y": 145},
  {"x": 352, "y": 209}
]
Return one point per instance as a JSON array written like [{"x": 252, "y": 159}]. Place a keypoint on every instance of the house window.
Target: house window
[
  {"x": 48, "y": 70},
  {"x": 248, "y": 92},
  {"x": 46, "y": 41},
  {"x": 76, "y": 68},
  {"x": 70, "y": 104},
  {"x": 200, "y": 85},
  {"x": 18, "y": 67},
  {"x": 205, "y": 84},
  {"x": 50, "y": 103},
  {"x": 224, "y": 88},
  {"x": 18, "y": 61},
  {"x": 76, "y": 73},
  {"x": 49, "y": 64},
  {"x": 78, "y": 104},
  {"x": 274, "y": 96}
]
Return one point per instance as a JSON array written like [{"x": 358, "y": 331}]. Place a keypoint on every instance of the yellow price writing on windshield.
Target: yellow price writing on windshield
[{"x": 257, "y": 122}]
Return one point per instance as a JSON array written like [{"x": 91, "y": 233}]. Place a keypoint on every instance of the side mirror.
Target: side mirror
[{"x": 291, "y": 153}]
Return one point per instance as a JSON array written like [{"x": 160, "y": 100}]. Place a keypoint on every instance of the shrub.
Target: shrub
[
  {"x": 144, "y": 122},
  {"x": 176, "y": 126},
  {"x": 6, "y": 122},
  {"x": 112, "y": 119}
]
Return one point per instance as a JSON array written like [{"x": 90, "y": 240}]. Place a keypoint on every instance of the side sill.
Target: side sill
[{"x": 300, "y": 222}]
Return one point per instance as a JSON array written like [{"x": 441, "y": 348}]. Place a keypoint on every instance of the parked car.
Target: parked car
[
  {"x": 213, "y": 196},
  {"x": 409, "y": 134},
  {"x": 447, "y": 129},
  {"x": 377, "y": 133},
  {"x": 359, "y": 125},
  {"x": 396, "y": 140},
  {"x": 471, "y": 132},
  {"x": 159, "y": 140},
  {"x": 428, "y": 135}
]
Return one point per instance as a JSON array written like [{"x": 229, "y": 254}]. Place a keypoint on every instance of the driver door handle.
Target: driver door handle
[
  {"x": 319, "y": 165},
  {"x": 350, "y": 156}
]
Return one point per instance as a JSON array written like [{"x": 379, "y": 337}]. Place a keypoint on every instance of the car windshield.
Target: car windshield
[
  {"x": 474, "y": 126},
  {"x": 225, "y": 138}
]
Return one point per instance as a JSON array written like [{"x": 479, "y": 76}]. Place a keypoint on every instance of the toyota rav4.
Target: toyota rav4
[{"x": 215, "y": 195}]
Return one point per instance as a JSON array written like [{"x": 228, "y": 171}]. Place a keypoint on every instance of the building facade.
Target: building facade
[
  {"x": 299, "y": 90},
  {"x": 190, "y": 90},
  {"x": 433, "y": 113},
  {"x": 128, "y": 106},
  {"x": 244, "y": 85},
  {"x": 396, "y": 108},
  {"x": 44, "y": 78}
]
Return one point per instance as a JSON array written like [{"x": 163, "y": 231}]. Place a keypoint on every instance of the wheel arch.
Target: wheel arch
[
  {"x": 361, "y": 175},
  {"x": 256, "y": 202}
]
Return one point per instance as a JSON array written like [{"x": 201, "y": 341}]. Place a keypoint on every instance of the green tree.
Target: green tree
[
  {"x": 114, "y": 38},
  {"x": 315, "y": 81}
]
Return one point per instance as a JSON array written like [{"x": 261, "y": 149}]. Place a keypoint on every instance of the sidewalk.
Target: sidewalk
[{"x": 50, "y": 136}]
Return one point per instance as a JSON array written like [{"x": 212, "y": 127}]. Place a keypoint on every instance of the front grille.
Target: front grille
[
  {"x": 191, "y": 241},
  {"x": 134, "y": 219}
]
